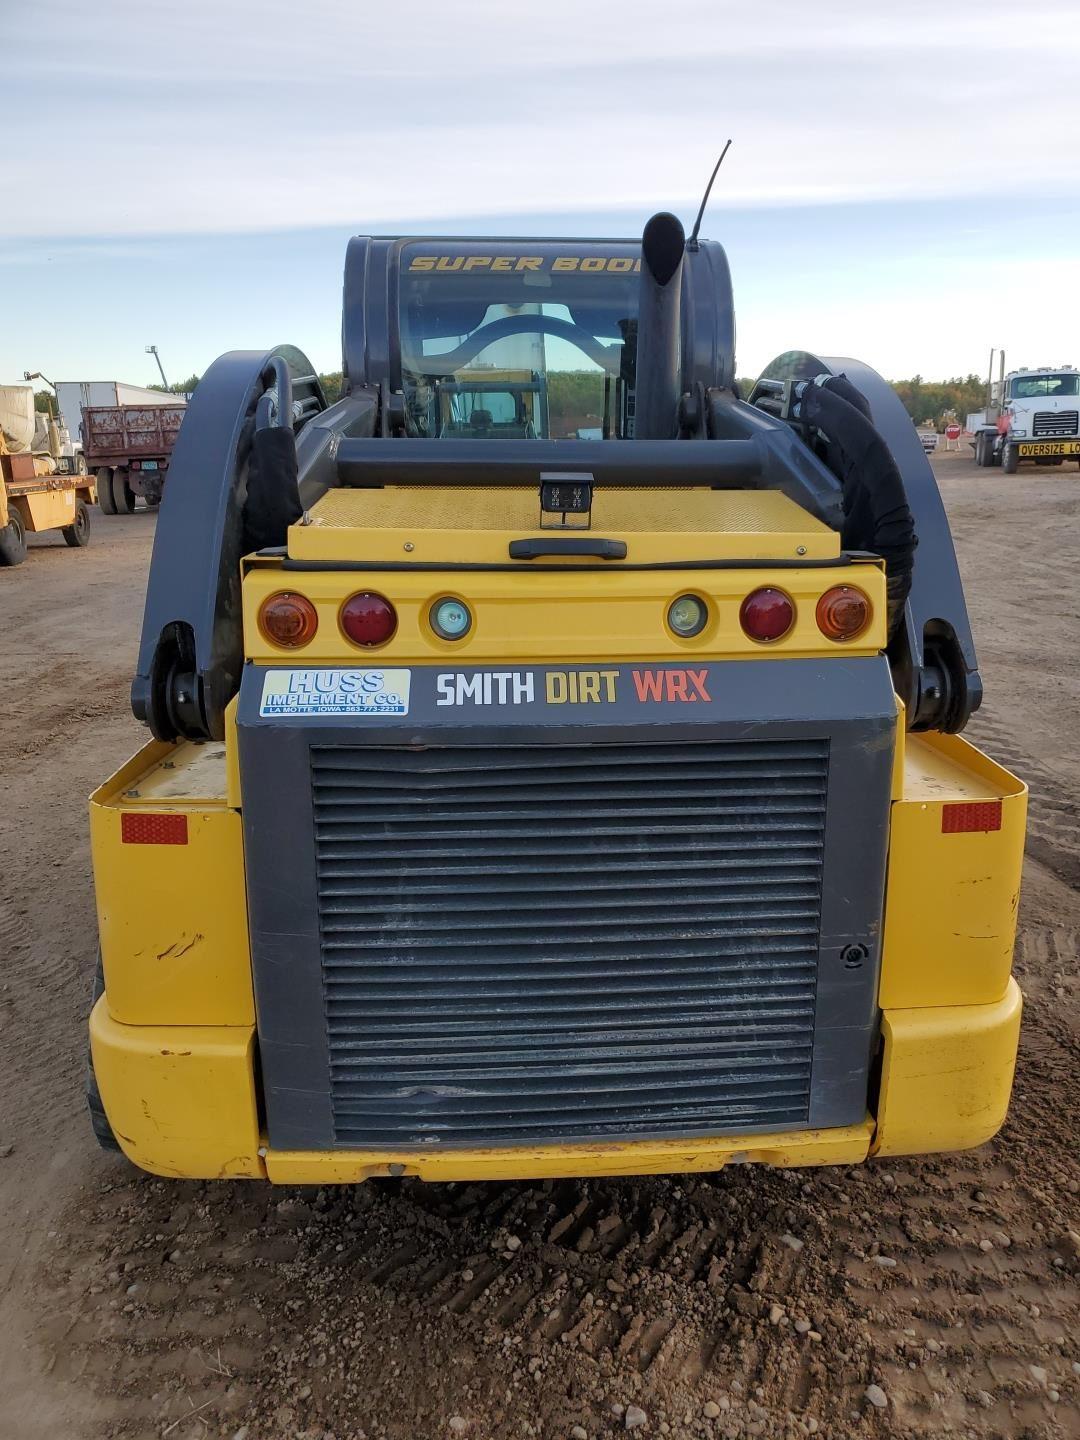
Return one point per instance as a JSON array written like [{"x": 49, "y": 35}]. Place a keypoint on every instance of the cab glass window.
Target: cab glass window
[
  {"x": 1039, "y": 387},
  {"x": 518, "y": 341}
]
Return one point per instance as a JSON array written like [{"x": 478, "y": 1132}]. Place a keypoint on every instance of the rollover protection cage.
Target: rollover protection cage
[{"x": 827, "y": 432}]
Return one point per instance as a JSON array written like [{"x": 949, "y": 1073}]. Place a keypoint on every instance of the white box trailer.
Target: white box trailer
[{"x": 72, "y": 396}]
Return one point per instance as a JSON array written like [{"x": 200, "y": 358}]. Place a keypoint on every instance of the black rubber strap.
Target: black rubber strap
[
  {"x": 846, "y": 557},
  {"x": 568, "y": 545}
]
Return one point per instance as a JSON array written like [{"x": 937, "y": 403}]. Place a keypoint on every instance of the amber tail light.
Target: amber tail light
[
  {"x": 288, "y": 620},
  {"x": 843, "y": 612}
]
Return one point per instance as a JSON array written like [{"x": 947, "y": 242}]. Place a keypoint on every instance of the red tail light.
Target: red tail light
[
  {"x": 767, "y": 615},
  {"x": 368, "y": 619}
]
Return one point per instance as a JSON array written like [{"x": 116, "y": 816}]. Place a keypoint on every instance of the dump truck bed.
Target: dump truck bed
[{"x": 117, "y": 434}]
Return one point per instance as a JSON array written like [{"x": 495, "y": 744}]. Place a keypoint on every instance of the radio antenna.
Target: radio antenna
[{"x": 692, "y": 243}]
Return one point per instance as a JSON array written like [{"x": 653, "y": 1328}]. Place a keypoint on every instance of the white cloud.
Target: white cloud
[
  {"x": 912, "y": 326},
  {"x": 230, "y": 115}
]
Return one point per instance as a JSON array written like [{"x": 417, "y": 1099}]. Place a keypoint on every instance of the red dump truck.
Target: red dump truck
[{"x": 129, "y": 447}]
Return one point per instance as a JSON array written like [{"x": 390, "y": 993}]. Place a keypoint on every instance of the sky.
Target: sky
[{"x": 903, "y": 186}]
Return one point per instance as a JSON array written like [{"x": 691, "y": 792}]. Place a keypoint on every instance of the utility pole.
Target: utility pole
[{"x": 152, "y": 350}]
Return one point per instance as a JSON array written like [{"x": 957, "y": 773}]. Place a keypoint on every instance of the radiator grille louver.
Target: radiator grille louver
[
  {"x": 1050, "y": 423},
  {"x": 563, "y": 943}
]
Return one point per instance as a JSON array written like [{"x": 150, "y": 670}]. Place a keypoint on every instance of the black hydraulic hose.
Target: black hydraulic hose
[
  {"x": 273, "y": 496},
  {"x": 876, "y": 512}
]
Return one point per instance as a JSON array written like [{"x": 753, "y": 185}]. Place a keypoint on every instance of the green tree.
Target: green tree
[
  {"x": 576, "y": 397},
  {"x": 182, "y": 387},
  {"x": 929, "y": 401},
  {"x": 575, "y": 401},
  {"x": 331, "y": 384}
]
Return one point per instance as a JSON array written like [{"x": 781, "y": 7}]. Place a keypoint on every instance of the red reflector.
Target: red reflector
[
  {"x": 970, "y": 815},
  {"x": 139, "y": 829}
]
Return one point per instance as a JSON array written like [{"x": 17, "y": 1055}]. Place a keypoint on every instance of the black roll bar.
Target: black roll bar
[{"x": 719, "y": 464}]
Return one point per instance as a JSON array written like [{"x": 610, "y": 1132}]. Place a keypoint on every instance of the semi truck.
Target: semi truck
[
  {"x": 1029, "y": 415},
  {"x": 532, "y": 807},
  {"x": 41, "y": 487},
  {"x": 129, "y": 448}
]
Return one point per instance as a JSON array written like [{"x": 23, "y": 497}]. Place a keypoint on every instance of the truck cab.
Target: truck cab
[{"x": 1034, "y": 415}]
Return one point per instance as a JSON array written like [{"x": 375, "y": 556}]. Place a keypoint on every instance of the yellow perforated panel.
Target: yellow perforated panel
[{"x": 431, "y": 524}]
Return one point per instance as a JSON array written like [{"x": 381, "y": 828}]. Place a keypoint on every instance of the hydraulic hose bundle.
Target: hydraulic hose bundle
[{"x": 877, "y": 516}]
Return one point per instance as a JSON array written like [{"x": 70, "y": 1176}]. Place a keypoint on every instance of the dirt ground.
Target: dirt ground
[{"x": 747, "y": 1303}]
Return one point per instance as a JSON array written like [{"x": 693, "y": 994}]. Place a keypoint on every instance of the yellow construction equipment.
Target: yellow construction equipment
[
  {"x": 43, "y": 483},
  {"x": 527, "y": 806}
]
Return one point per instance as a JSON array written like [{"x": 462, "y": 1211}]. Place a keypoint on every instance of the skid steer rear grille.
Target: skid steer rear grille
[{"x": 562, "y": 943}]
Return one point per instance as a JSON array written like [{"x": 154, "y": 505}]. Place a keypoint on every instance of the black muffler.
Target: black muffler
[{"x": 657, "y": 382}]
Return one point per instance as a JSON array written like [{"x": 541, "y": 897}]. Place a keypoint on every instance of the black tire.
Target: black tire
[
  {"x": 984, "y": 450},
  {"x": 105, "y": 499},
  {"x": 1059, "y": 461},
  {"x": 13, "y": 540},
  {"x": 99, "y": 1121},
  {"x": 123, "y": 495},
  {"x": 1010, "y": 459},
  {"x": 78, "y": 535}
]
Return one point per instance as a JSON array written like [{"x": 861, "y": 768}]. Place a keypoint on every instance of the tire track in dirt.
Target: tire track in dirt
[
  {"x": 46, "y": 919},
  {"x": 778, "y": 1296},
  {"x": 380, "y": 1311},
  {"x": 643, "y": 1288},
  {"x": 1054, "y": 805}
]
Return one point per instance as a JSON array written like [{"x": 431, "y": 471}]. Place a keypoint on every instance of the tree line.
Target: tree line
[
  {"x": 932, "y": 402},
  {"x": 580, "y": 393},
  {"x": 928, "y": 402}
]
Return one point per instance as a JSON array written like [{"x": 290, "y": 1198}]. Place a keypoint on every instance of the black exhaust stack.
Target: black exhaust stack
[{"x": 657, "y": 388}]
